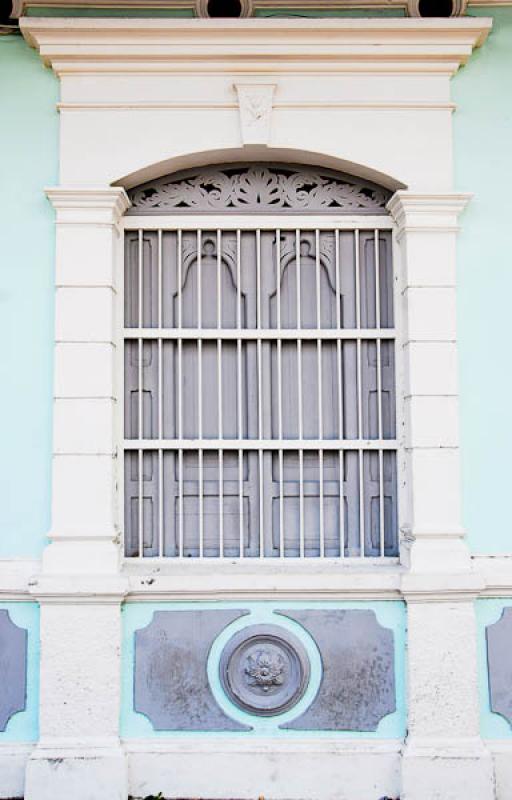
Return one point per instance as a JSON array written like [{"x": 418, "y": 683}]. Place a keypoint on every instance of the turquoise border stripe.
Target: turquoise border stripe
[
  {"x": 73, "y": 11},
  {"x": 390, "y": 614},
  {"x": 492, "y": 726},
  {"x": 24, "y": 726},
  {"x": 358, "y": 13}
]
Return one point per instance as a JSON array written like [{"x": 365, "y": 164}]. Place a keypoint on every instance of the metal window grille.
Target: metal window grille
[{"x": 259, "y": 372}]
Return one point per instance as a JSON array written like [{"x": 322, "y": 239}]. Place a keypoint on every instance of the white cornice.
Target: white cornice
[{"x": 255, "y": 46}]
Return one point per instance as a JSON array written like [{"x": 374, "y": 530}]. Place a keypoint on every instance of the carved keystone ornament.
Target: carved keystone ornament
[{"x": 264, "y": 670}]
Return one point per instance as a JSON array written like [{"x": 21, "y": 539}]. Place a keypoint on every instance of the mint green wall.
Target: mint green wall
[
  {"x": 483, "y": 166},
  {"x": 28, "y": 144}
]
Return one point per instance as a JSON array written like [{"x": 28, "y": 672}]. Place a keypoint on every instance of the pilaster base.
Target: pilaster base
[
  {"x": 81, "y": 557},
  {"x": 442, "y": 769},
  {"x": 80, "y": 772},
  {"x": 436, "y": 552}
]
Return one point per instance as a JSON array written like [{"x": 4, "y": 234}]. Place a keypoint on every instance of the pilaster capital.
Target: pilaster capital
[
  {"x": 88, "y": 205},
  {"x": 436, "y": 213}
]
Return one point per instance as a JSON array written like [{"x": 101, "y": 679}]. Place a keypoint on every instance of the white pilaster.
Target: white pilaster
[
  {"x": 79, "y": 754},
  {"x": 84, "y": 520},
  {"x": 431, "y": 513},
  {"x": 444, "y": 755}
]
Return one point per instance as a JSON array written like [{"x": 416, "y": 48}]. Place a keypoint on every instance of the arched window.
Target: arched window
[{"x": 259, "y": 366}]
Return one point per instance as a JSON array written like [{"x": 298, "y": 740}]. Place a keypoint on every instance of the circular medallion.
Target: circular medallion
[{"x": 264, "y": 669}]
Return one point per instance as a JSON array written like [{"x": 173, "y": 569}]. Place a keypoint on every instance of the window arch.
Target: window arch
[{"x": 259, "y": 366}]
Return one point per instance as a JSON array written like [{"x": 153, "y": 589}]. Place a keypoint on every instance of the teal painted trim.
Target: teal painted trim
[
  {"x": 28, "y": 142},
  {"x": 330, "y": 12},
  {"x": 482, "y": 126},
  {"x": 75, "y": 11},
  {"x": 492, "y": 726},
  {"x": 24, "y": 726},
  {"x": 390, "y": 614}
]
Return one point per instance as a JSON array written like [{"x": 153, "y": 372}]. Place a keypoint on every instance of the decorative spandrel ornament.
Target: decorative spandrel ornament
[
  {"x": 255, "y": 106},
  {"x": 259, "y": 187},
  {"x": 264, "y": 670}
]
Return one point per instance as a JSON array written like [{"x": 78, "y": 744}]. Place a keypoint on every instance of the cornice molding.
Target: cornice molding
[
  {"x": 255, "y": 46},
  {"x": 103, "y": 205},
  {"x": 414, "y": 212}
]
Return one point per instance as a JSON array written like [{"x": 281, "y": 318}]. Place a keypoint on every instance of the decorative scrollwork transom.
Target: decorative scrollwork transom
[{"x": 259, "y": 187}]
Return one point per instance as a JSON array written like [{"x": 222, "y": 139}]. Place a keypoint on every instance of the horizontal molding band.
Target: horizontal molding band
[{"x": 183, "y": 105}]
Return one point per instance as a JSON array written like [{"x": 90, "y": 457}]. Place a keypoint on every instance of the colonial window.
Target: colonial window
[{"x": 259, "y": 366}]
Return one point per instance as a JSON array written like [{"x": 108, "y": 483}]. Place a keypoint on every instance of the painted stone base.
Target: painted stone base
[
  {"x": 502, "y": 756},
  {"x": 312, "y": 769},
  {"x": 81, "y": 773},
  {"x": 443, "y": 771},
  {"x": 13, "y": 762}
]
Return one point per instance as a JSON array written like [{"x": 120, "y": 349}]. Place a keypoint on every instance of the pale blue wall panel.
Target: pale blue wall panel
[
  {"x": 24, "y": 725},
  {"x": 483, "y": 166},
  {"x": 391, "y": 615},
  {"x": 28, "y": 143}
]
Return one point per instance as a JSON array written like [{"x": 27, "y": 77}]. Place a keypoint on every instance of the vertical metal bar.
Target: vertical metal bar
[
  {"x": 181, "y": 504},
  {"x": 379, "y": 394},
  {"x": 241, "y": 501},
  {"x": 340, "y": 391},
  {"x": 280, "y": 395},
  {"x": 219, "y": 398},
  {"x": 200, "y": 392},
  {"x": 260, "y": 391},
  {"x": 320, "y": 393},
  {"x": 181, "y": 543},
  {"x": 140, "y": 422},
  {"x": 239, "y": 394},
  {"x": 160, "y": 408},
  {"x": 180, "y": 279},
  {"x": 359, "y": 398},
  {"x": 300, "y": 408},
  {"x": 338, "y": 296}
]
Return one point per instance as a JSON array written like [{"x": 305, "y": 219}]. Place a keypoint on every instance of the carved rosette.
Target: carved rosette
[{"x": 264, "y": 670}]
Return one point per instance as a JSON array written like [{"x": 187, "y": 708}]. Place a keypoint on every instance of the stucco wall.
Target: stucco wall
[
  {"x": 28, "y": 143},
  {"x": 483, "y": 166}
]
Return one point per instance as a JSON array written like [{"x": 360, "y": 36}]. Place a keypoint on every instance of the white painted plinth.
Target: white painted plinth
[
  {"x": 306, "y": 769},
  {"x": 79, "y": 755},
  {"x": 79, "y": 772}
]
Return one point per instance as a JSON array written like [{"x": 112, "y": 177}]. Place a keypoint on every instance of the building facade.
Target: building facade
[{"x": 253, "y": 530}]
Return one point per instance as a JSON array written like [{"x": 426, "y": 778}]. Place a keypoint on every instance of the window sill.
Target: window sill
[{"x": 231, "y": 579}]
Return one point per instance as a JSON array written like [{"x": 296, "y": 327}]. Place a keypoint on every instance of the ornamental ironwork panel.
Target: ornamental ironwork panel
[
  {"x": 260, "y": 394},
  {"x": 259, "y": 188}
]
